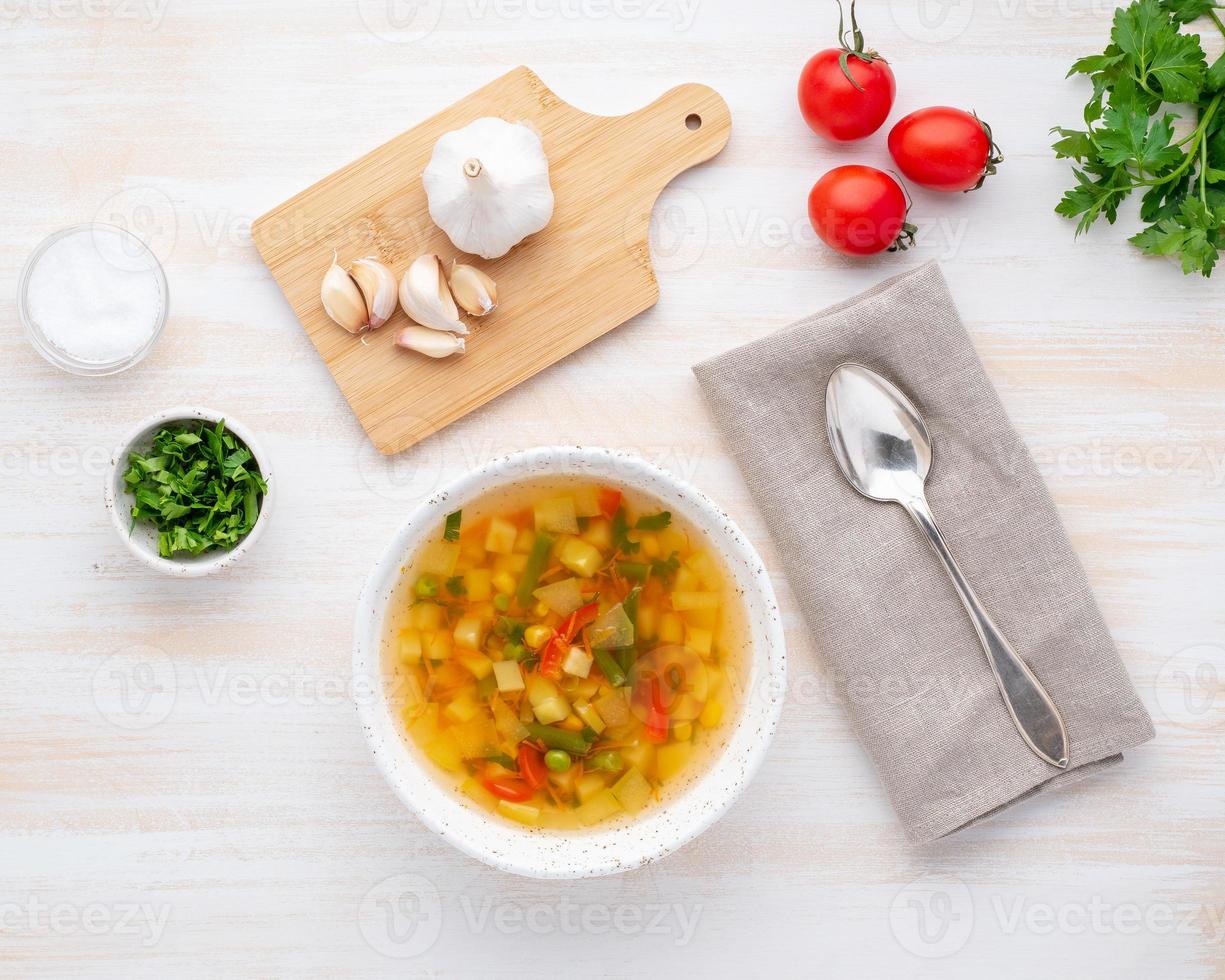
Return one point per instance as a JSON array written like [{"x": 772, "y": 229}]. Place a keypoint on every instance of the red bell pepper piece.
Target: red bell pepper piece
[
  {"x": 609, "y": 501},
  {"x": 554, "y": 651},
  {"x": 656, "y": 722},
  {"x": 531, "y": 766}
]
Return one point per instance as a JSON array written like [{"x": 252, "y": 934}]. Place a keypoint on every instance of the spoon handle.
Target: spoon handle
[{"x": 1032, "y": 710}]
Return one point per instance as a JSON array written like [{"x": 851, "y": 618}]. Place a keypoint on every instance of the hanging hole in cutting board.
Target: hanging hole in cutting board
[{"x": 693, "y": 121}]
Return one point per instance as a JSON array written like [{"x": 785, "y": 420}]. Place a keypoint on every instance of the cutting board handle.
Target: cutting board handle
[{"x": 685, "y": 126}]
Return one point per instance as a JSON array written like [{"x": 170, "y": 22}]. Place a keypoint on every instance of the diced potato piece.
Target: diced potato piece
[
  {"x": 449, "y": 674},
  {"x": 557, "y": 515},
  {"x": 706, "y": 619},
  {"x": 599, "y": 532},
  {"x": 706, "y": 570},
  {"x": 650, "y": 545},
  {"x": 591, "y": 718},
  {"x": 671, "y": 628},
  {"x": 614, "y": 708},
  {"x": 600, "y": 807},
  {"x": 409, "y": 646},
  {"x": 632, "y": 790},
  {"x": 586, "y": 501},
  {"x": 473, "y": 789},
  {"x": 712, "y": 714},
  {"x": 520, "y": 812},
  {"x": 479, "y": 583},
  {"x": 524, "y": 541},
  {"x": 591, "y": 785},
  {"x": 580, "y": 557},
  {"x": 699, "y": 640},
  {"x": 563, "y": 596},
  {"x": 648, "y": 622},
  {"x": 505, "y": 583},
  {"x": 670, "y": 759},
  {"x": 469, "y": 633},
  {"x": 425, "y": 616},
  {"x": 475, "y": 738},
  {"x": 551, "y": 710},
  {"x": 463, "y": 707},
  {"x": 439, "y": 646},
  {"x": 510, "y": 728},
  {"x": 682, "y": 601},
  {"x": 508, "y": 675},
  {"x": 682, "y": 731},
  {"x": 540, "y": 689},
  {"x": 439, "y": 558},
  {"x": 577, "y": 662},
  {"x": 514, "y": 564},
  {"x": 686, "y": 580},
  {"x": 500, "y": 538},
  {"x": 672, "y": 539},
  {"x": 425, "y": 728},
  {"x": 444, "y": 751},
  {"x": 641, "y": 755},
  {"x": 477, "y": 664}
]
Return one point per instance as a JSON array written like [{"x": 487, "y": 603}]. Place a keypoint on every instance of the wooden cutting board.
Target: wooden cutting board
[{"x": 584, "y": 274}]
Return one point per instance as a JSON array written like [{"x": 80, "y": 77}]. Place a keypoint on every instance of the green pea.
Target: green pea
[
  {"x": 557, "y": 760},
  {"x": 501, "y": 602},
  {"x": 427, "y": 586},
  {"x": 609, "y": 761}
]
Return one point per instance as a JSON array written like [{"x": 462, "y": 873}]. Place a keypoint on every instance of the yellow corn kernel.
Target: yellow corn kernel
[
  {"x": 479, "y": 584},
  {"x": 536, "y": 636},
  {"x": 505, "y": 583},
  {"x": 671, "y": 628},
  {"x": 500, "y": 539},
  {"x": 711, "y": 715},
  {"x": 541, "y": 609}
]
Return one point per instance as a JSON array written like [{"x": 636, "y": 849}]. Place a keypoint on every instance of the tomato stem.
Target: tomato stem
[
  {"x": 857, "y": 51},
  {"x": 995, "y": 156}
]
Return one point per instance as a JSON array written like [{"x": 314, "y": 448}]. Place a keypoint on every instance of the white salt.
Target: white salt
[{"x": 96, "y": 295}]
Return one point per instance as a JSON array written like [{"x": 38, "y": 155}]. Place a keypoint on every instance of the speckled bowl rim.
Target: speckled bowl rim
[
  {"x": 540, "y": 853},
  {"x": 115, "y": 495}
]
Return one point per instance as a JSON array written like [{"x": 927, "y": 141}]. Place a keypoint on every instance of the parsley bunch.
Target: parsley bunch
[
  {"x": 1129, "y": 143},
  {"x": 198, "y": 486}
]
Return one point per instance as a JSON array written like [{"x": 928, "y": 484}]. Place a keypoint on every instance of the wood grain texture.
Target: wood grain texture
[
  {"x": 588, "y": 271},
  {"x": 239, "y": 801}
]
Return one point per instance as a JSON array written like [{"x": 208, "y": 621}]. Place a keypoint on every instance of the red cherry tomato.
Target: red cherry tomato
[
  {"x": 846, "y": 92},
  {"x": 508, "y": 788},
  {"x": 859, "y": 211},
  {"x": 944, "y": 149},
  {"x": 531, "y": 766}
]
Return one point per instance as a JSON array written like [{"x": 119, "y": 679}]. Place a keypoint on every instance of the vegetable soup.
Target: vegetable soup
[{"x": 565, "y": 653}]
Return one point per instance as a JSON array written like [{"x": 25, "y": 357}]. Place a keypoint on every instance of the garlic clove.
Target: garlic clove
[
  {"x": 342, "y": 299},
  {"x": 472, "y": 289},
  {"x": 427, "y": 298},
  {"x": 378, "y": 287},
  {"x": 431, "y": 343}
]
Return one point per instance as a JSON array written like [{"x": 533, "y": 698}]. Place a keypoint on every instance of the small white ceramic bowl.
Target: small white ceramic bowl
[
  {"x": 661, "y": 828},
  {"x": 141, "y": 540}
]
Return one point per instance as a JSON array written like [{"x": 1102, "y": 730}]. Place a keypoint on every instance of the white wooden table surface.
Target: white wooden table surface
[{"x": 184, "y": 789}]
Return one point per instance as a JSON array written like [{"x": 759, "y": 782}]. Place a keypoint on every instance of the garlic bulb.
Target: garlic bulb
[
  {"x": 474, "y": 291},
  {"x": 426, "y": 298},
  {"x": 431, "y": 343},
  {"x": 378, "y": 287},
  {"x": 343, "y": 300},
  {"x": 488, "y": 186}
]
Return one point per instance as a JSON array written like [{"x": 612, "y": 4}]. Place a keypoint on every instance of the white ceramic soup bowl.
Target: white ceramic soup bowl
[{"x": 661, "y": 828}]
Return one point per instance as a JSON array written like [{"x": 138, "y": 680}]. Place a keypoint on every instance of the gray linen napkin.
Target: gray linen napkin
[{"x": 887, "y": 624}]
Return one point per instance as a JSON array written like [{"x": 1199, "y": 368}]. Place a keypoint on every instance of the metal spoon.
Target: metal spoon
[{"x": 885, "y": 452}]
